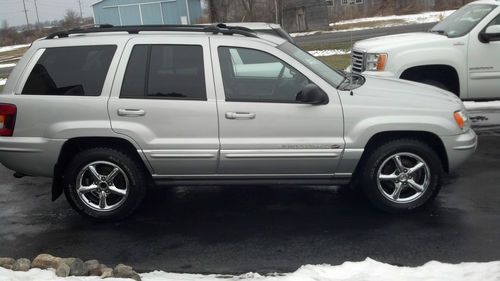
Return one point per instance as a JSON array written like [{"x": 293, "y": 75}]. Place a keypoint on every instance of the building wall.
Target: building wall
[{"x": 137, "y": 12}]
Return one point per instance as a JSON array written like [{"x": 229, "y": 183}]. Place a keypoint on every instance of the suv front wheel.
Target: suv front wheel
[
  {"x": 402, "y": 175},
  {"x": 104, "y": 184}
]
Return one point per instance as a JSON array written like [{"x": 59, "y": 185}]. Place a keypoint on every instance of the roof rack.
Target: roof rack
[{"x": 135, "y": 29}]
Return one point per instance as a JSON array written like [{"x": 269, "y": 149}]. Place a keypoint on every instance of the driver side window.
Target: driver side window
[{"x": 254, "y": 76}]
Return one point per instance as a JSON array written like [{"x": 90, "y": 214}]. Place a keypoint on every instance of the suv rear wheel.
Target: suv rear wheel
[
  {"x": 401, "y": 175},
  {"x": 104, "y": 184}
]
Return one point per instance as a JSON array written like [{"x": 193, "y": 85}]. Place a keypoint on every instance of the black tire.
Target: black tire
[
  {"x": 382, "y": 155},
  {"x": 137, "y": 183}
]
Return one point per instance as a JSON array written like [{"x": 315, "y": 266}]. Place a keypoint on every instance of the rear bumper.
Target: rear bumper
[
  {"x": 30, "y": 156},
  {"x": 460, "y": 147}
]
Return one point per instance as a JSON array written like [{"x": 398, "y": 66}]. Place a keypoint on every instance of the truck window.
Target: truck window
[{"x": 70, "y": 71}]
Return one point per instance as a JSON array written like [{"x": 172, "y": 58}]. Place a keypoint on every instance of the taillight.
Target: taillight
[{"x": 7, "y": 119}]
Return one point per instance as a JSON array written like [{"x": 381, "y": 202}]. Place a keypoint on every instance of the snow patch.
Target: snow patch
[
  {"x": 471, "y": 105},
  {"x": 13, "y": 47},
  {"x": 332, "y": 52},
  {"x": 427, "y": 17},
  {"x": 3, "y": 81},
  {"x": 6, "y": 65},
  {"x": 368, "y": 270}
]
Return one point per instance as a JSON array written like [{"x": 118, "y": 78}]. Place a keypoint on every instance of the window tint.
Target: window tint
[
  {"x": 256, "y": 76},
  {"x": 70, "y": 71},
  {"x": 165, "y": 71}
]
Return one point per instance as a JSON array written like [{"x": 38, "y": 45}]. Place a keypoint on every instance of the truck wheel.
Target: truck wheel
[
  {"x": 401, "y": 175},
  {"x": 104, "y": 184}
]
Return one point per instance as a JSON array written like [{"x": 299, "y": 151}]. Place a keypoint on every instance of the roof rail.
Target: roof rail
[{"x": 135, "y": 29}]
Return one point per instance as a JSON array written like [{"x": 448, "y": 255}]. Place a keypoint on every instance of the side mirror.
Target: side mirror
[
  {"x": 492, "y": 33},
  {"x": 312, "y": 94}
]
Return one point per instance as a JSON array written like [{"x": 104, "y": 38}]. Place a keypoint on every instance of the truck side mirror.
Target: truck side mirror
[
  {"x": 312, "y": 94},
  {"x": 492, "y": 33}
]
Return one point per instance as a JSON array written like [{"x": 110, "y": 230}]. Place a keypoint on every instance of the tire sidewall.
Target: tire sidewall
[
  {"x": 377, "y": 158},
  {"x": 136, "y": 178}
]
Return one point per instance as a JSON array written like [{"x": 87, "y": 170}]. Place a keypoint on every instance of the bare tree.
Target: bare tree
[{"x": 249, "y": 6}]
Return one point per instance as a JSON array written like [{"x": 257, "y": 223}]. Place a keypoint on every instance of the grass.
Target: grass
[
  {"x": 12, "y": 56},
  {"x": 1, "y": 88},
  {"x": 337, "y": 62}
]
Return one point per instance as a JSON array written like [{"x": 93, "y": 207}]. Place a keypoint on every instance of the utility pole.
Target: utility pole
[
  {"x": 36, "y": 10},
  {"x": 26, "y": 14},
  {"x": 80, "y": 4}
]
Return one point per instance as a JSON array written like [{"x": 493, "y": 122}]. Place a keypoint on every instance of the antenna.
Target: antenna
[{"x": 350, "y": 6}]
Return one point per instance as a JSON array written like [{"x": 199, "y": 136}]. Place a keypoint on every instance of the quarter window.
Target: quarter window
[
  {"x": 165, "y": 72},
  {"x": 70, "y": 71},
  {"x": 255, "y": 76}
]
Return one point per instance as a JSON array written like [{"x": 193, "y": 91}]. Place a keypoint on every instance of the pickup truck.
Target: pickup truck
[{"x": 460, "y": 54}]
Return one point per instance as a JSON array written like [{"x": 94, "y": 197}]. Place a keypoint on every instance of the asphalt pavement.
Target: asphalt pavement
[{"x": 262, "y": 229}]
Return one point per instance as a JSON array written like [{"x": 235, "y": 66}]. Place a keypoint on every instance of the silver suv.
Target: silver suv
[{"x": 109, "y": 112}]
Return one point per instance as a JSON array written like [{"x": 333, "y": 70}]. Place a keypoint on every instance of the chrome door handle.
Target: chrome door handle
[
  {"x": 131, "y": 112},
  {"x": 240, "y": 115}
]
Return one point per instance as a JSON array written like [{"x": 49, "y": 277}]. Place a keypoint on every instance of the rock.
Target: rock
[
  {"x": 76, "y": 265},
  {"x": 124, "y": 271},
  {"x": 7, "y": 262},
  {"x": 93, "y": 268},
  {"x": 63, "y": 270},
  {"x": 106, "y": 272},
  {"x": 22, "y": 265},
  {"x": 45, "y": 261},
  {"x": 7, "y": 266}
]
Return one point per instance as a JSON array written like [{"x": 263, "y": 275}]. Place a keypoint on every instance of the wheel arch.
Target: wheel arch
[
  {"x": 443, "y": 73},
  {"x": 75, "y": 145},
  {"x": 427, "y": 137}
]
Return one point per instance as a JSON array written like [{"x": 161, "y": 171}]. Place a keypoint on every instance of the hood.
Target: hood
[
  {"x": 386, "y": 43},
  {"x": 403, "y": 93}
]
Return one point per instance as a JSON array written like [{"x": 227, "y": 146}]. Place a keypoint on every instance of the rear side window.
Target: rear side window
[
  {"x": 70, "y": 71},
  {"x": 165, "y": 72}
]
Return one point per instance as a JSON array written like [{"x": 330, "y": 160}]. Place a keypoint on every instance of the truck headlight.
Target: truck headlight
[
  {"x": 462, "y": 119},
  {"x": 375, "y": 62}
]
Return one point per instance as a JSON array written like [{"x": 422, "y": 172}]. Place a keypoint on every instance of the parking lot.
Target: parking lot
[{"x": 264, "y": 229}]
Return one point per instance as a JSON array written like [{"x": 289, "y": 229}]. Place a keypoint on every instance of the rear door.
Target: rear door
[
  {"x": 264, "y": 131},
  {"x": 163, "y": 98}
]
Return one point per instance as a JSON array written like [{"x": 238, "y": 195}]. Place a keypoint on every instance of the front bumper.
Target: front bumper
[{"x": 459, "y": 148}]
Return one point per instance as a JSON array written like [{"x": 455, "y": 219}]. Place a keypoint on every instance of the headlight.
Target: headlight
[
  {"x": 375, "y": 62},
  {"x": 462, "y": 119}
]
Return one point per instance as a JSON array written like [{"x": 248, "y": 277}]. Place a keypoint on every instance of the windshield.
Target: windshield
[
  {"x": 330, "y": 75},
  {"x": 463, "y": 21}
]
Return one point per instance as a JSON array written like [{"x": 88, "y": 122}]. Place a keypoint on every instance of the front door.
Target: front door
[
  {"x": 264, "y": 131},
  {"x": 166, "y": 104},
  {"x": 484, "y": 67}
]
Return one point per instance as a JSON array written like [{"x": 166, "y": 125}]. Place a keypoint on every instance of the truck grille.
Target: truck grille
[{"x": 358, "y": 61}]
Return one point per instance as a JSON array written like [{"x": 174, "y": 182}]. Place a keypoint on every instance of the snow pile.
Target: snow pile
[
  {"x": 12, "y": 48},
  {"x": 367, "y": 270},
  {"x": 470, "y": 105},
  {"x": 6, "y": 65},
  {"x": 3, "y": 81},
  {"x": 427, "y": 17},
  {"x": 333, "y": 52}
]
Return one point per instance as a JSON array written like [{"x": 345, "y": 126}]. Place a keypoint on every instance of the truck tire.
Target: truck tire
[
  {"x": 401, "y": 175},
  {"x": 104, "y": 184},
  {"x": 435, "y": 83}
]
